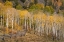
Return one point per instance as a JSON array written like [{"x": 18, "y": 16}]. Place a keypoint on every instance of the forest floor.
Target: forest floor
[{"x": 29, "y": 38}]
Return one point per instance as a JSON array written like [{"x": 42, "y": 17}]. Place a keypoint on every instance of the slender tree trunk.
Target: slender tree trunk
[
  {"x": 25, "y": 23},
  {"x": 12, "y": 26},
  {"x": 1, "y": 20},
  {"x": 7, "y": 24}
]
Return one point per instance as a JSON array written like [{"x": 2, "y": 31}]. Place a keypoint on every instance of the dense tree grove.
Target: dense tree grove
[{"x": 44, "y": 18}]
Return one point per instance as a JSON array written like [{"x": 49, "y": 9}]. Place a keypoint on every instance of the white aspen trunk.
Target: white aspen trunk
[
  {"x": 36, "y": 29},
  {"x": 53, "y": 30},
  {"x": 37, "y": 25},
  {"x": 41, "y": 27},
  {"x": 56, "y": 29},
  {"x": 33, "y": 26},
  {"x": 12, "y": 26},
  {"x": 7, "y": 21},
  {"x": 30, "y": 23},
  {"x": 56, "y": 33},
  {"x": 59, "y": 30},
  {"x": 1, "y": 20},
  {"x": 25, "y": 22},
  {"x": 47, "y": 31},
  {"x": 39, "y": 30},
  {"x": 17, "y": 20},
  {"x": 47, "y": 28},
  {"x": 44, "y": 27}
]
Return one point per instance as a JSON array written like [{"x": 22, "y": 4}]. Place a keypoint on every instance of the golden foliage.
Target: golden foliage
[
  {"x": 1, "y": 5},
  {"x": 44, "y": 16},
  {"x": 8, "y": 4},
  {"x": 51, "y": 18},
  {"x": 23, "y": 13}
]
